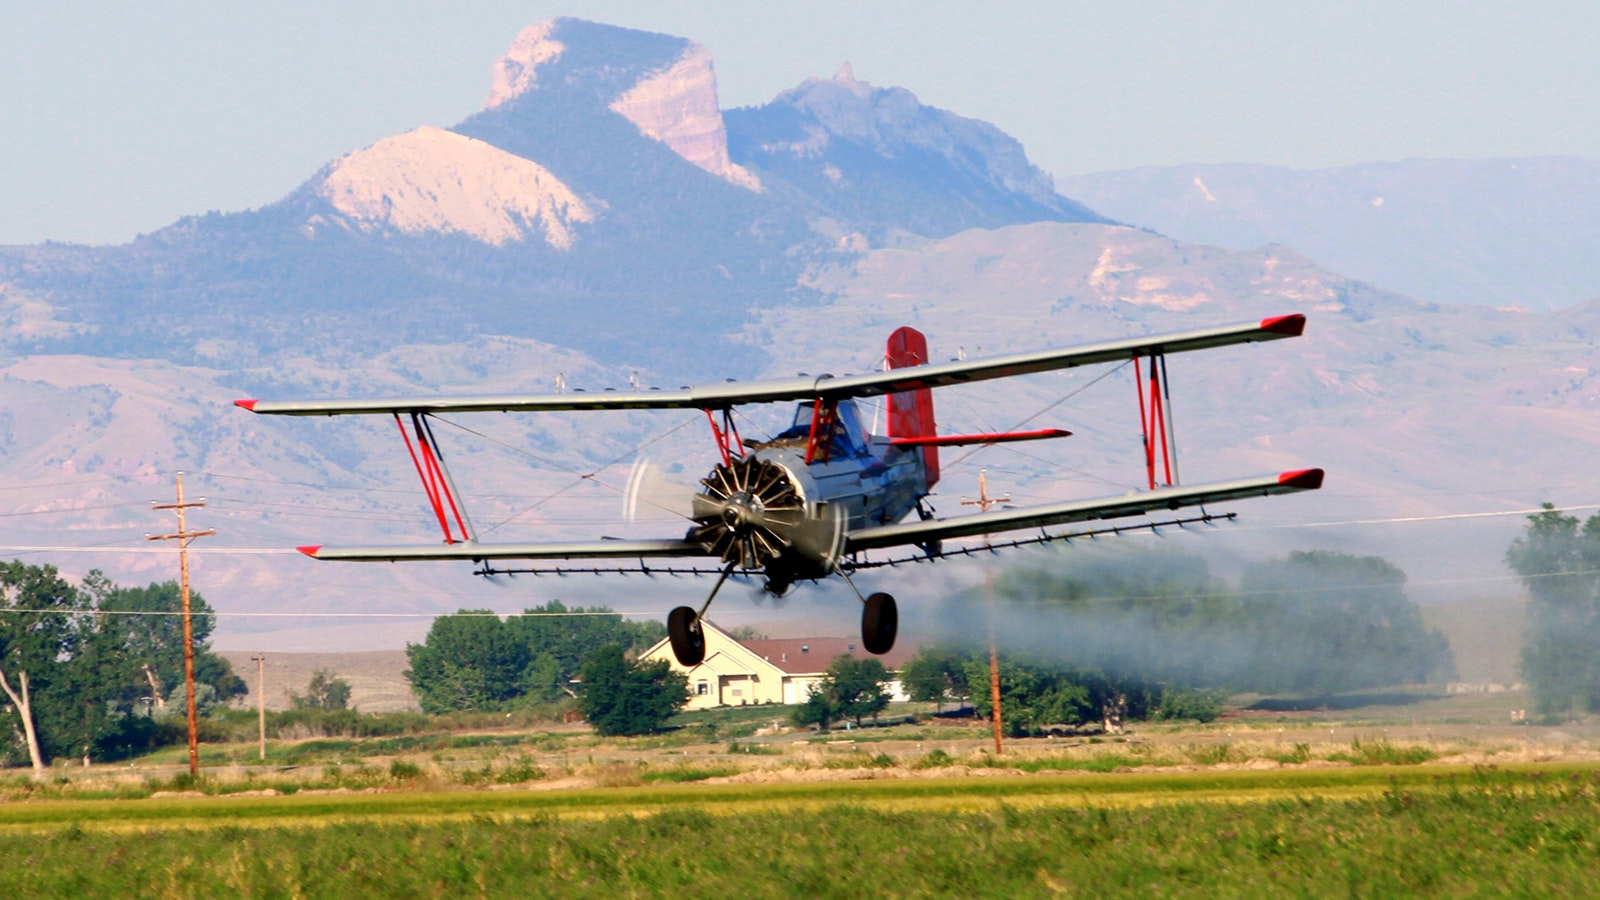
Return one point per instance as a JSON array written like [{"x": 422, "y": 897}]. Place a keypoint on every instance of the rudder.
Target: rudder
[{"x": 911, "y": 412}]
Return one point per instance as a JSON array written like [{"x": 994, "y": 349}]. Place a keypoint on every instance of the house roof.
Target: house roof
[{"x": 813, "y": 655}]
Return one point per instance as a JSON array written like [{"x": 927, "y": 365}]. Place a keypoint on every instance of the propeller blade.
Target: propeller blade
[{"x": 651, "y": 494}]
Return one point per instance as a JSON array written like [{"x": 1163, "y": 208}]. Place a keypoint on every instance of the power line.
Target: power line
[
  {"x": 470, "y": 614},
  {"x": 70, "y": 509},
  {"x": 208, "y": 551},
  {"x": 1325, "y": 589},
  {"x": 1406, "y": 519},
  {"x": 273, "y": 551}
]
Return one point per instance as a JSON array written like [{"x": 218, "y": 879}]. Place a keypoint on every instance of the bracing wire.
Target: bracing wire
[{"x": 592, "y": 476}]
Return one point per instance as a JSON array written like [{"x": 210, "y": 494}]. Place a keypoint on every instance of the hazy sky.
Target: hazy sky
[{"x": 117, "y": 118}]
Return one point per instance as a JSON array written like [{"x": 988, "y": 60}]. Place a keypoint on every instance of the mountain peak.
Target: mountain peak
[
  {"x": 674, "y": 103},
  {"x": 678, "y": 107},
  {"x": 859, "y": 147},
  {"x": 432, "y": 180},
  {"x": 517, "y": 71}
]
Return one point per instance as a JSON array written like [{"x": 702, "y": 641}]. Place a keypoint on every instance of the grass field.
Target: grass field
[
  {"x": 1380, "y": 831},
  {"x": 1402, "y": 794}
]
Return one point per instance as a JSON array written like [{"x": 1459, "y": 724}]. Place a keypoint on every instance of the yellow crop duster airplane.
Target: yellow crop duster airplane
[{"x": 805, "y": 504}]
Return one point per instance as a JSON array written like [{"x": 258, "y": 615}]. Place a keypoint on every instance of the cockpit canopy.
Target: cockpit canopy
[{"x": 849, "y": 438}]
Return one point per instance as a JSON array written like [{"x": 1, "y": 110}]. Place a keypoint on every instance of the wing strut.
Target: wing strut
[
  {"x": 727, "y": 435},
  {"x": 436, "y": 480},
  {"x": 819, "y": 443},
  {"x": 1155, "y": 420}
]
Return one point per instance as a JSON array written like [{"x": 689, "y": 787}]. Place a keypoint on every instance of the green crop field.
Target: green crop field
[{"x": 1365, "y": 831}]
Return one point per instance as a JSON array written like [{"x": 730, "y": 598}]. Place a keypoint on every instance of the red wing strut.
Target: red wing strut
[{"x": 436, "y": 480}]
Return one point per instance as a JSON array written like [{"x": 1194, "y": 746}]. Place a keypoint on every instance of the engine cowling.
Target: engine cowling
[{"x": 749, "y": 512}]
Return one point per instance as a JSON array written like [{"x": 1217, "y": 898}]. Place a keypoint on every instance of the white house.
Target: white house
[{"x": 742, "y": 673}]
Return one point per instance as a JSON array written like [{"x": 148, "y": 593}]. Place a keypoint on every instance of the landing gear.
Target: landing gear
[
  {"x": 880, "y": 619},
  {"x": 688, "y": 639}
]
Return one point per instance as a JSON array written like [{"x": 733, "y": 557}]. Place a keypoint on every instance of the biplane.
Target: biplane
[{"x": 811, "y": 501}]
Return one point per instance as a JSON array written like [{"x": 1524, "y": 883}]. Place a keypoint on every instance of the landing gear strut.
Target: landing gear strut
[
  {"x": 684, "y": 630},
  {"x": 880, "y": 619}
]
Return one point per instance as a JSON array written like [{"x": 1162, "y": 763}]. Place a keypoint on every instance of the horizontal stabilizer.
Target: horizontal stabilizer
[{"x": 957, "y": 440}]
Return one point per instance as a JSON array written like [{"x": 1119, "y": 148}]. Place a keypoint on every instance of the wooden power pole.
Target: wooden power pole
[
  {"x": 983, "y": 503},
  {"x": 183, "y": 535},
  {"x": 261, "y": 701}
]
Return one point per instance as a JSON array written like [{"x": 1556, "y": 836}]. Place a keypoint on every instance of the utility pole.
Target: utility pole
[
  {"x": 261, "y": 700},
  {"x": 183, "y": 535},
  {"x": 983, "y": 503}
]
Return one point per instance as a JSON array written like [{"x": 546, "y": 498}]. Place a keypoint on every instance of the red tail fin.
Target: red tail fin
[{"x": 911, "y": 412}]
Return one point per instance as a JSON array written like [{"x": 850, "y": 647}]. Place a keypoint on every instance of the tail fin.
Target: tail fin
[{"x": 911, "y": 412}]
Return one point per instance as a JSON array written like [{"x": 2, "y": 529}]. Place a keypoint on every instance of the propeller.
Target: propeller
[{"x": 651, "y": 494}]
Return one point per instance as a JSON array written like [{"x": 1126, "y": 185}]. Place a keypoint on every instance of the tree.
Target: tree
[
  {"x": 1335, "y": 622},
  {"x": 85, "y": 669},
  {"x": 324, "y": 691},
  {"x": 852, "y": 688},
  {"x": 623, "y": 698},
  {"x": 561, "y": 640},
  {"x": 469, "y": 661},
  {"x": 1310, "y": 621},
  {"x": 38, "y": 635},
  {"x": 1034, "y": 695},
  {"x": 141, "y": 635},
  {"x": 937, "y": 675},
  {"x": 817, "y": 710},
  {"x": 860, "y": 687},
  {"x": 474, "y": 660},
  {"x": 1560, "y": 567}
]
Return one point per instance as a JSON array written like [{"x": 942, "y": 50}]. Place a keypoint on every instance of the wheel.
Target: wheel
[
  {"x": 688, "y": 640},
  {"x": 879, "y": 622}
]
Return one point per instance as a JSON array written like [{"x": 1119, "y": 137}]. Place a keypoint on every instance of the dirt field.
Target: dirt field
[{"x": 377, "y": 680}]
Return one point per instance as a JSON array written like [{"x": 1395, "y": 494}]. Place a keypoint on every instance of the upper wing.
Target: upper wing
[
  {"x": 827, "y": 387},
  {"x": 471, "y": 550},
  {"x": 1134, "y": 504}
]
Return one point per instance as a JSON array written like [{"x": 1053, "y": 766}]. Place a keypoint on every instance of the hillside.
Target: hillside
[
  {"x": 1409, "y": 406},
  {"x": 1495, "y": 232}
]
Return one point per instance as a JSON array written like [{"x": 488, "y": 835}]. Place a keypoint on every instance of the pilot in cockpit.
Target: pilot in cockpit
[{"x": 849, "y": 438}]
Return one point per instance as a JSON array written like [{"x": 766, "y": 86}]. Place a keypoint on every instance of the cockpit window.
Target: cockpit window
[
  {"x": 850, "y": 429},
  {"x": 849, "y": 438}
]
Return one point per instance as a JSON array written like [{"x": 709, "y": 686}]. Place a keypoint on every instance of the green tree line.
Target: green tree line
[
  {"x": 95, "y": 670},
  {"x": 474, "y": 660}
]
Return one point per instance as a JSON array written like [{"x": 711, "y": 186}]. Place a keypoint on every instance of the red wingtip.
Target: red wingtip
[
  {"x": 310, "y": 550},
  {"x": 1304, "y": 479},
  {"x": 246, "y": 404},
  {"x": 1293, "y": 325}
]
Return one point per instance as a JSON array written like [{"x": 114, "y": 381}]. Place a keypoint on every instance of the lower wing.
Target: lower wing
[
  {"x": 905, "y": 533},
  {"x": 1134, "y": 504},
  {"x": 471, "y": 550}
]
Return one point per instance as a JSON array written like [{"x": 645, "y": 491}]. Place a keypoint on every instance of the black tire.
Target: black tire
[
  {"x": 688, "y": 640},
  {"x": 880, "y": 619}
]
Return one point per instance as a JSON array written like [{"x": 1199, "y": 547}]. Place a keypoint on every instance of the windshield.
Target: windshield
[{"x": 849, "y": 438}]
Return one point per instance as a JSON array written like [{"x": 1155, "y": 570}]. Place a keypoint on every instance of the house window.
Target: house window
[
  {"x": 737, "y": 692},
  {"x": 701, "y": 689}
]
